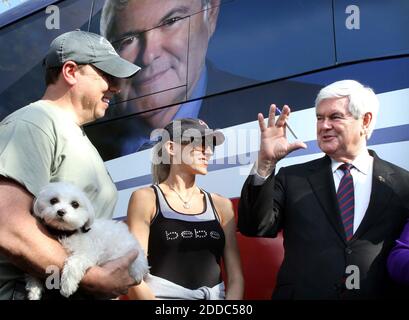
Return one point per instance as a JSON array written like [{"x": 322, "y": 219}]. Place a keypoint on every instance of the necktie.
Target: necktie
[{"x": 345, "y": 196}]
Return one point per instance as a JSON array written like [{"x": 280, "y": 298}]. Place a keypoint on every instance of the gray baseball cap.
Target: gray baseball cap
[
  {"x": 88, "y": 48},
  {"x": 185, "y": 129}
]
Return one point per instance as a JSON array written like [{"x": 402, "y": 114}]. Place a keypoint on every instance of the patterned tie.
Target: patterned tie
[{"x": 345, "y": 196}]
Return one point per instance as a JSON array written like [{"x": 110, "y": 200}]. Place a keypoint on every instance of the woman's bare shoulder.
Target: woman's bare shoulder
[{"x": 144, "y": 193}]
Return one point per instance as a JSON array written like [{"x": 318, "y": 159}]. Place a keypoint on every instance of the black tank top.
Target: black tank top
[{"x": 184, "y": 248}]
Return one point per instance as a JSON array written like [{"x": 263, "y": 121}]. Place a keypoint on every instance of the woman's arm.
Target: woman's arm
[
  {"x": 398, "y": 261},
  {"x": 141, "y": 209},
  {"x": 231, "y": 256}
]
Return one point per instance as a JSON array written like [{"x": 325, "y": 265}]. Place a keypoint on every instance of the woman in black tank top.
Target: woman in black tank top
[{"x": 186, "y": 231}]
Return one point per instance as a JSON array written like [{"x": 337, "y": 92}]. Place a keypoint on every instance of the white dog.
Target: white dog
[{"x": 64, "y": 208}]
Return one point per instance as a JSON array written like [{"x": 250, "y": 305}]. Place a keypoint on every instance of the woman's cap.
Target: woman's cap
[{"x": 186, "y": 129}]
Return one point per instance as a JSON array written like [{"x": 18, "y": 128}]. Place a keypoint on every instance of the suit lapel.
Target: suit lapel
[
  {"x": 379, "y": 199},
  {"x": 322, "y": 184}
]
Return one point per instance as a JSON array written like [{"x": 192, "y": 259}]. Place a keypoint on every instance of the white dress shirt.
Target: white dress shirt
[{"x": 362, "y": 175}]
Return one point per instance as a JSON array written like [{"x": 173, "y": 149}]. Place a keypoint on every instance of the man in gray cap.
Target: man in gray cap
[{"x": 44, "y": 142}]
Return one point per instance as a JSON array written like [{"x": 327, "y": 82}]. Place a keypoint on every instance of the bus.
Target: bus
[{"x": 224, "y": 62}]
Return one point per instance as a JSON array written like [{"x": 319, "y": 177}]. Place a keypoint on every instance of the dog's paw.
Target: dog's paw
[
  {"x": 73, "y": 271},
  {"x": 68, "y": 285},
  {"x": 34, "y": 288},
  {"x": 139, "y": 269},
  {"x": 67, "y": 289},
  {"x": 35, "y": 293}
]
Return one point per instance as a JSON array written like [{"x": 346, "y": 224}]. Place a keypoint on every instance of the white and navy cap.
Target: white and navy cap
[{"x": 189, "y": 129}]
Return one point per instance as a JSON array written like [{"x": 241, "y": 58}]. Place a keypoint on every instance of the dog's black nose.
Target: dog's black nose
[{"x": 61, "y": 212}]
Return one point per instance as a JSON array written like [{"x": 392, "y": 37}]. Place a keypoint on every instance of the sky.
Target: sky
[{"x": 8, "y": 4}]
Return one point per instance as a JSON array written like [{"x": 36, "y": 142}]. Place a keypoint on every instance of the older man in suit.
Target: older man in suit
[{"x": 339, "y": 214}]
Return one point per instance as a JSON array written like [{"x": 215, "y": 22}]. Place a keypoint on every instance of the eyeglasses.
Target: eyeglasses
[{"x": 201, "y": 144}]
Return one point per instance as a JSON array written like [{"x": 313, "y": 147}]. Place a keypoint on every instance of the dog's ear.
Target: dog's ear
[
  {"x": 35, "y": 209},
  {"x": 91, "y": 212},
  {"x": 89, "y": 222}
]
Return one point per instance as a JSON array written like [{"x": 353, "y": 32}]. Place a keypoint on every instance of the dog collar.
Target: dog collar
[{"x": 65, "y": 233}]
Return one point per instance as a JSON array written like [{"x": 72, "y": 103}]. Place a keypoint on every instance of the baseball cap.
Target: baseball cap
[
  {"x": 190, "y": 129},
  {"x": 88, "y": 48}
]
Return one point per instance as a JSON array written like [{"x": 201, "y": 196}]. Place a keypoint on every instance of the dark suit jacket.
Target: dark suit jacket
[{"x": 301, "y": 201}]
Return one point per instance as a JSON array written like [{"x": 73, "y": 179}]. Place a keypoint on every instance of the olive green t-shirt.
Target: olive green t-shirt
[{"x": 41, "y": 143}]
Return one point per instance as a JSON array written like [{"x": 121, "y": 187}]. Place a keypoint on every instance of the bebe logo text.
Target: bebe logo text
[{"x": 197, "y": 234}]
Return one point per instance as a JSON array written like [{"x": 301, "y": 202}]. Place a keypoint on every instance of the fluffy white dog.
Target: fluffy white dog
[{"x": 64, "y": 208}]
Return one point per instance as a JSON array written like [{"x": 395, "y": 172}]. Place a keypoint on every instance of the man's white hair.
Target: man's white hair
[
  {"x": 362, "y": 99},
  {"x": 110, "y": 9}
]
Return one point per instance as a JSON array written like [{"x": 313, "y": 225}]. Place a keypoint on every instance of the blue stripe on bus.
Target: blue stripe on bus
[{"x": 394, "y": 73}]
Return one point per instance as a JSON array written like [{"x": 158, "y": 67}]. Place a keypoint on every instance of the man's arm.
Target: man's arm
[
  {"x": 260, "y": 206},
  {"x": 27, "y": 244},
  {"x": 22, "y": 239}
]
